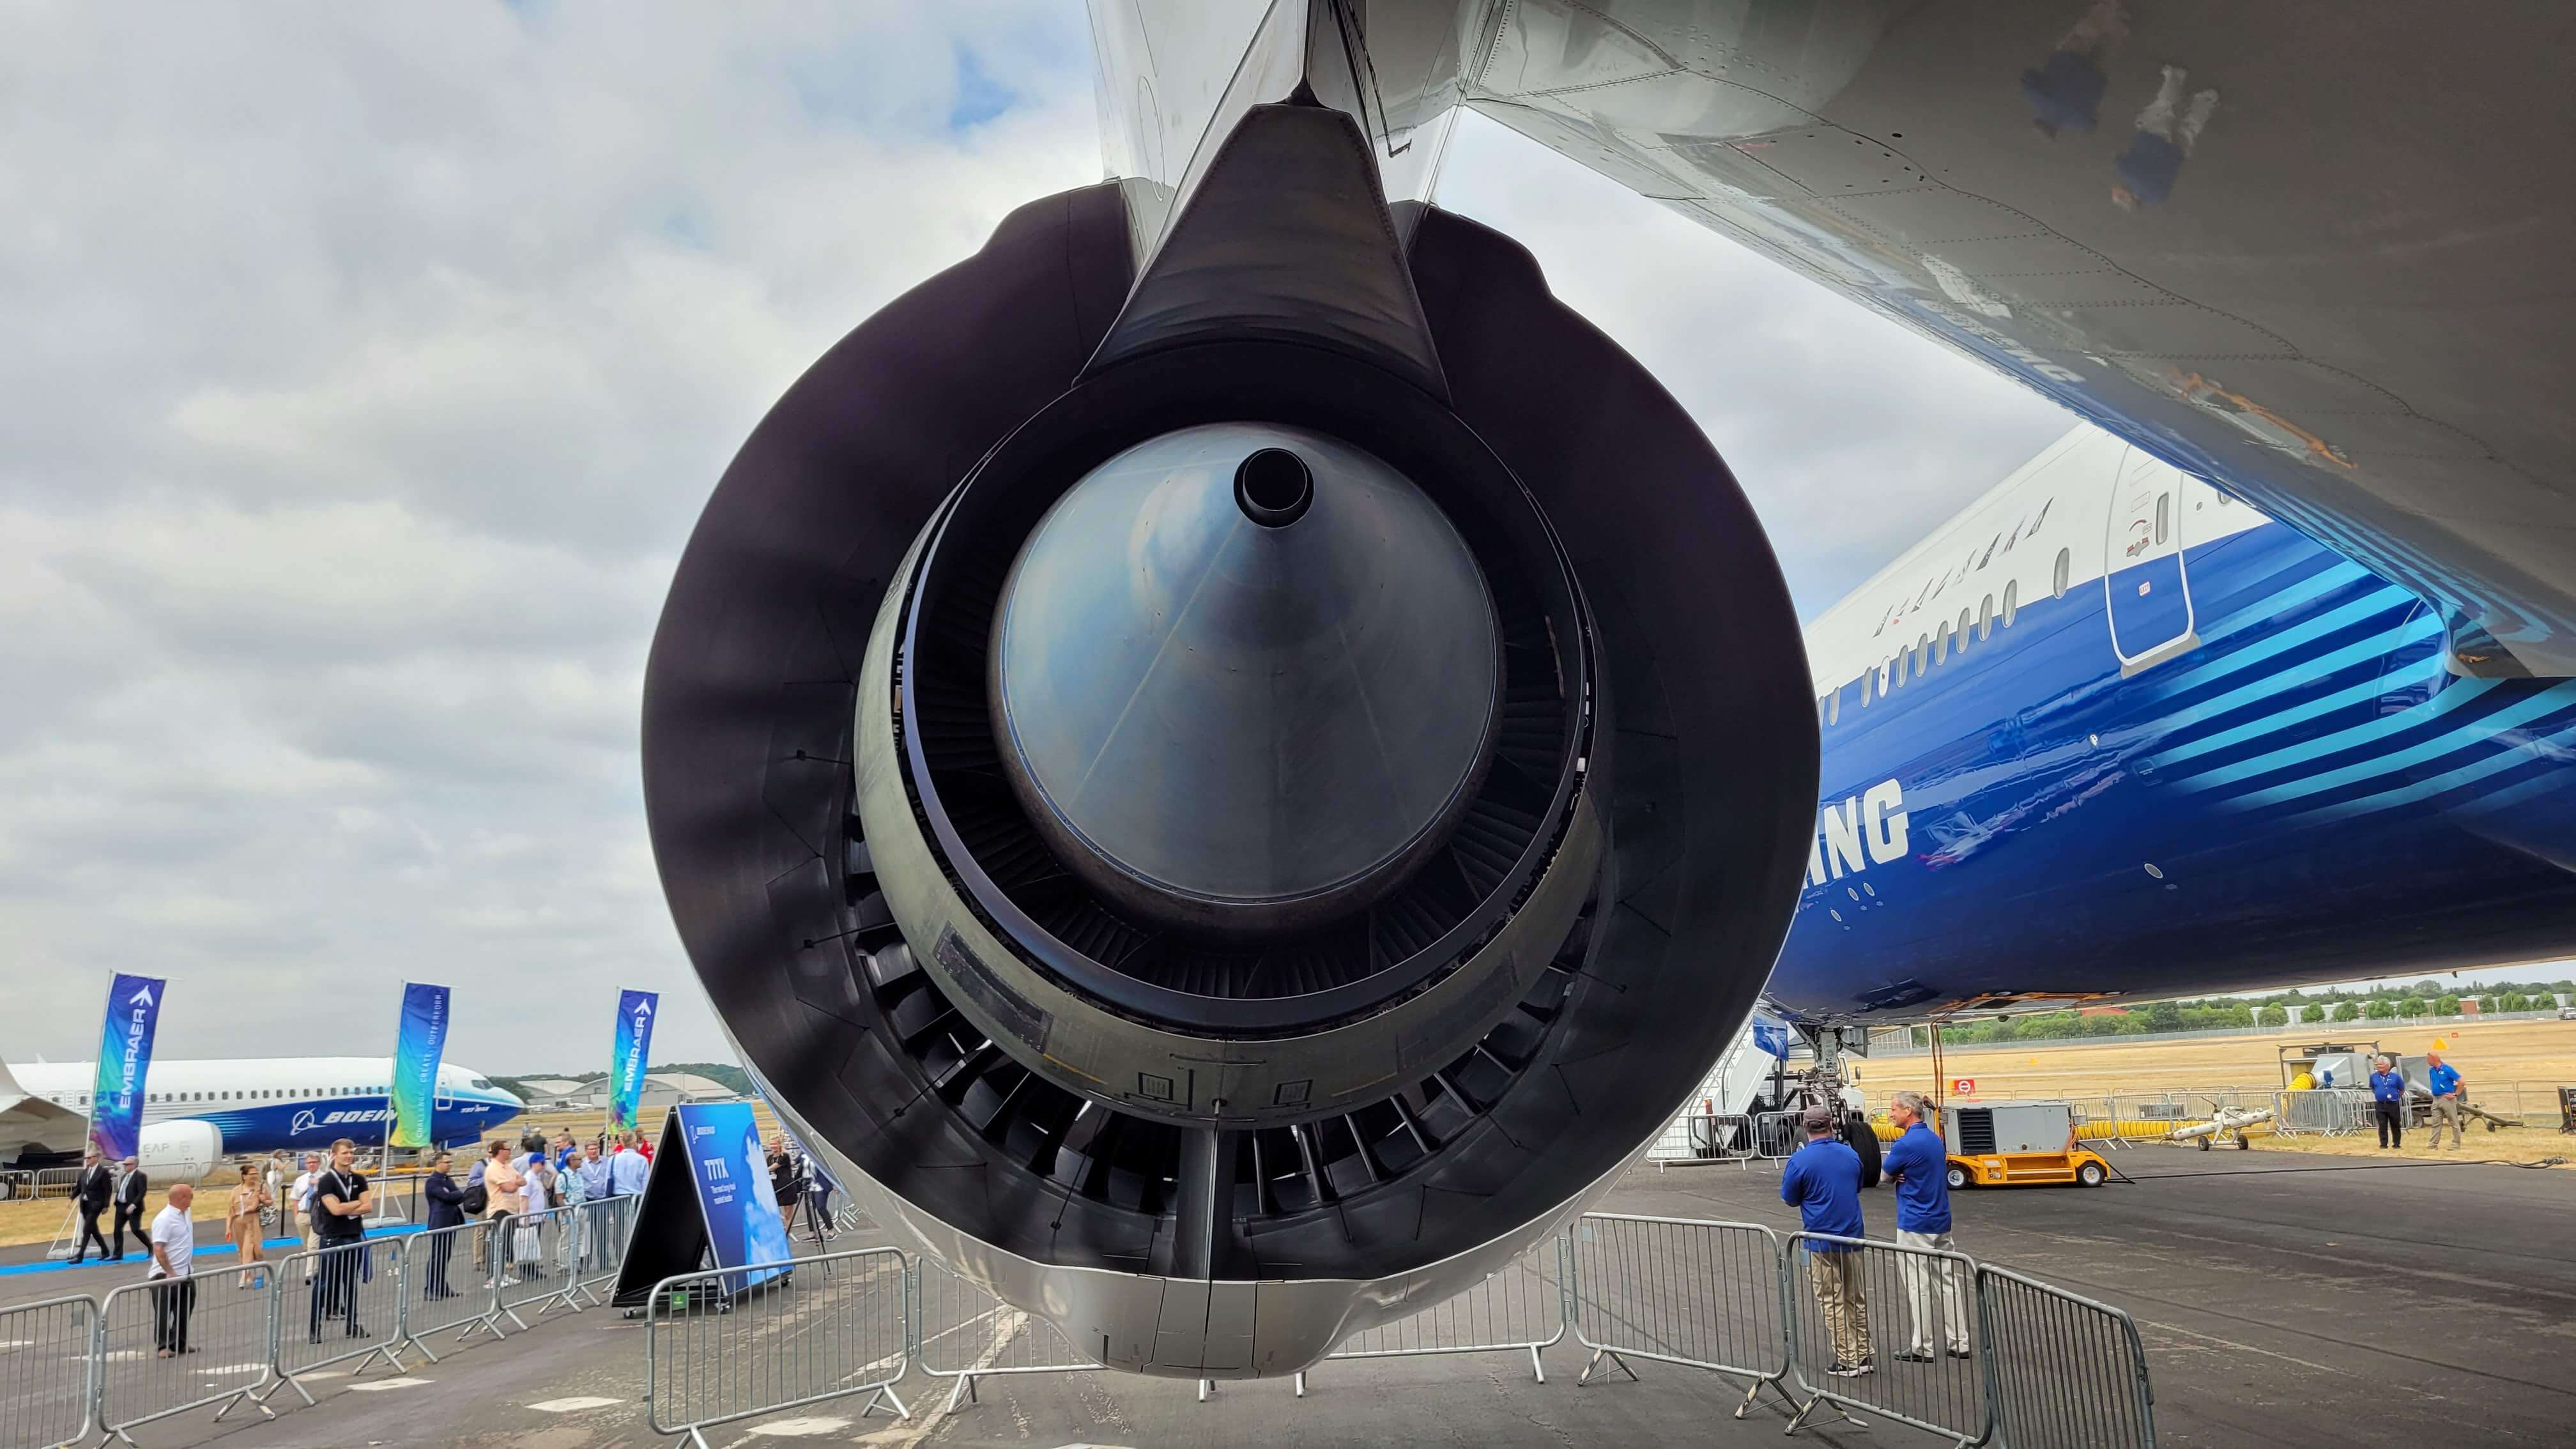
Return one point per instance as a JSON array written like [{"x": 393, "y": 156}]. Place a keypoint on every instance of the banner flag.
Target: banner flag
[
  {"x": 633, "y": 1057},
  {"x": 1772, "y": 1037},
  {"x": 124, "y": 1057},
  {"x": 420, "y": 1041}
]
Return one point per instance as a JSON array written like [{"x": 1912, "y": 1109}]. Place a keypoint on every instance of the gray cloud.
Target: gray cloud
[{"x": 372, "y": 368}]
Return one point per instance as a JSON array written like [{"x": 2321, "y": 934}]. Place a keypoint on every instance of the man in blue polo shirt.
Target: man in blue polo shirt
[
  {"x": 1919, "y": 1164},
  {"x": 2388, "y": 1101},
  {"x": 1823, "y": 1179},
  {"x": 2444, "y": 1081}
]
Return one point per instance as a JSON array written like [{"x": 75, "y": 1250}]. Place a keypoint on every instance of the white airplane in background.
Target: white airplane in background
[{"x": 196, "y": 1114}]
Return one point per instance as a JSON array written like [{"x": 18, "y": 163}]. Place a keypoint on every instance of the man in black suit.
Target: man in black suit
[
  {"x": 130, "y": 1188},
  {"x": 92, "y": 1189}
]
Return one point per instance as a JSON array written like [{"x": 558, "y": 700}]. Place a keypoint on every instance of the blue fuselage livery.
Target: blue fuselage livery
[
  {"x": 255, "y": 1105},
  {"x": 2229, "y": 758}
]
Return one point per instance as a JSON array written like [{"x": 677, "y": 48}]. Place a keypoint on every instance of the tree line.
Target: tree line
[{"x": 2392, "y": 1004}]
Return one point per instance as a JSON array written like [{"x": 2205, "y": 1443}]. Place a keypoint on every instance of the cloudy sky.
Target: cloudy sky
[{"x": 367, "y": 368}]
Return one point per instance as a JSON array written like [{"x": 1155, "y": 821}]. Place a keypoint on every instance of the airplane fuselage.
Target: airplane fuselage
[
  {"x": 2280, "y": 781},
  {"x": 295, "y": 1103}
]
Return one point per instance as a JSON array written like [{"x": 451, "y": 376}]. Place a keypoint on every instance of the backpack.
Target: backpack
[{"x": 477, "y": 1201}]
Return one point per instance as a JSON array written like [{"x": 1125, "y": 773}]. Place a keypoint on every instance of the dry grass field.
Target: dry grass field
[
  {"x": 2513, "y": 1068},
  {"x": 2533, "y": 1057}
]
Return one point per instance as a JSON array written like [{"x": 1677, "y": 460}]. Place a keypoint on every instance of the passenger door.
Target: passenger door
[{"x": 2148, "y": 593}]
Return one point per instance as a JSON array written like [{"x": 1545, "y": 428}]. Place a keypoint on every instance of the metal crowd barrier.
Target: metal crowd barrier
[
  {"x": 48, "y": 1375},
  {"x": 2326, "y": 1112},
  {"x": 1711, "y": 1137},
  {"x": 606, "y": 1223},
  {"x": 447, "y": 1286},
  {"x": 1859, "y": 1302},
  {"x": 964, "y": 1333},
  {"x": 1971, "y": 1353},
  {"x": 335, "y": 1305},
  {"x": 1703, "y": 1295},
  {"x": 527, "y": 1249},
  {"x": 167, "y": 1347},
  {"x": 72, "y": 1367},
  {"x": 2062, "y": 1369},
  {"x": 1777, "y": 1134},
  {"x": 826, "y": 1328},
  {"x": 1517, "y": 1309}
]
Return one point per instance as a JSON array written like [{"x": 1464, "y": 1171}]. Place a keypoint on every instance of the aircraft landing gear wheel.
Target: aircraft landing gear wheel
[
  {"x": 2244, "y": 1144},
  {"x": 1857, "y": 1132},
  {"x": 1958, "y": 1177},
  {"x": 2204, "y": 1144},
  {"x": 2090, "y": 1174}
]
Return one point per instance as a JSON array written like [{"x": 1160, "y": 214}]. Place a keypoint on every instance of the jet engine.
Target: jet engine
[
  {"x": 1228, "y": 782},
  {"x": 182, "y": 1151}
]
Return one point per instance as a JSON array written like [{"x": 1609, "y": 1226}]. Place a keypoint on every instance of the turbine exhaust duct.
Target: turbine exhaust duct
[{"x": 1227, "y": 798}]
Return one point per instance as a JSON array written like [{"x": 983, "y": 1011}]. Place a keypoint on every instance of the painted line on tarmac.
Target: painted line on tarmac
[
  {"x": 15, "y": 1270},
  {"x": 906, "y": 1435},
  {"x": 806, "y": 1428}
]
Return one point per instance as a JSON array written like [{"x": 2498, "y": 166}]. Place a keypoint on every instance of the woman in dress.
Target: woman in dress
[
  {"x": 785, "y": 1182},
  {"x": 241, "y": 1223}
]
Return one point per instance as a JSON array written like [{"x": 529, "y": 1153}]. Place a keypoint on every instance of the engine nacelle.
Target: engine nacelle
[
  {"x": 184, "y": 1151},
  {"x": 1229, "y": 795}
]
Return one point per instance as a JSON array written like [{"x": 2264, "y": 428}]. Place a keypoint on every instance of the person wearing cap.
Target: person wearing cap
[{"x": 1823, "y": 1180}]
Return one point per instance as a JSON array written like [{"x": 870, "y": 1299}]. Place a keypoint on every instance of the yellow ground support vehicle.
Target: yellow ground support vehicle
[{"x": 2017, "y": 1144}]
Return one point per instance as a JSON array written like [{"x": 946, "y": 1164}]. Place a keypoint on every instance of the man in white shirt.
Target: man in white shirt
[
  {"x": 627, "y": 1171},
  {"x": 302, "y": 1197},
  {"x": 174, "y": 1294}
]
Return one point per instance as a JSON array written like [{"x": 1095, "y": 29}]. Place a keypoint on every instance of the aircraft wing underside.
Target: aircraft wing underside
[{"x": 2304, "y": 259}]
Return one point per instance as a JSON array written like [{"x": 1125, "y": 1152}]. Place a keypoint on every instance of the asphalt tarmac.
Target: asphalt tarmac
[{"x": 2280, "y": 1301}]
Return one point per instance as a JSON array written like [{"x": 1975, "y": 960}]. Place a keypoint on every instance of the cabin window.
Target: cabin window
[
  {"x": 1986, "y": 617},
  {"x": 2065, "y": 566},
  {"x": 2011, "y": 593},
  {"x": 1834, "y": 707},
  {"x": 2164, "y": 516},
  {"x": 1963, "y": 626}
]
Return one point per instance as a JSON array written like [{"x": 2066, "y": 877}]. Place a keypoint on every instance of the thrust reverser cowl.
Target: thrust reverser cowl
[{"x": 1220, "y": 918}]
